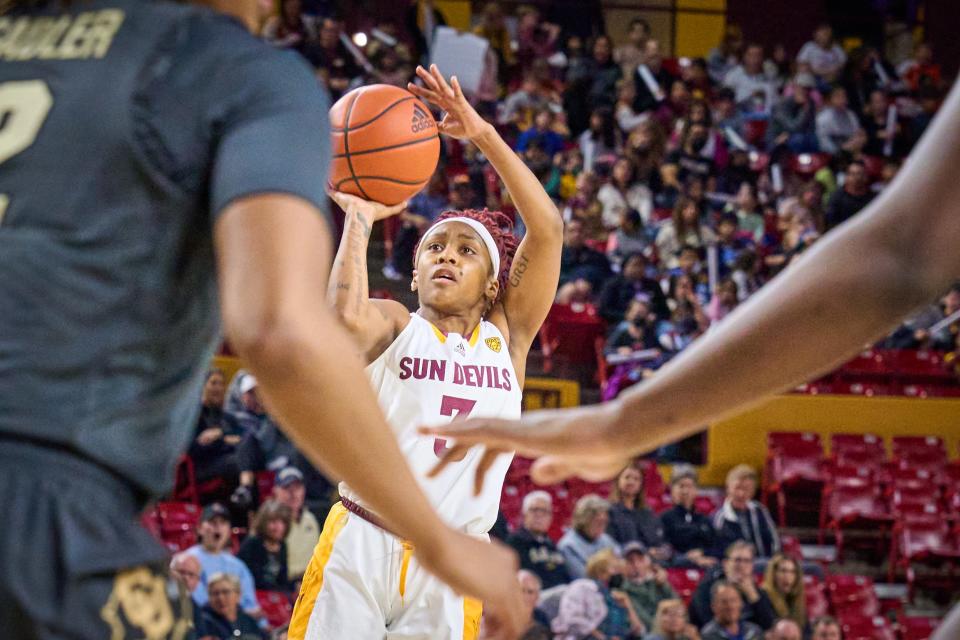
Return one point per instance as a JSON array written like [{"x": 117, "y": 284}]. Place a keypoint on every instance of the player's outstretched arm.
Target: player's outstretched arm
[
  {"x": 851, "y": 288},
  {"x": 272, "y": 253},
  {"x": 536, "y": 267},
  {"x": 373, "y": 324}
]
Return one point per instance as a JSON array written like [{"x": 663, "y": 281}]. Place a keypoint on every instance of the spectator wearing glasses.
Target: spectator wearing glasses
[
  {"x": 538, "y": 554},
  {"x": 222, "y": 618},
  {"x": 736, "y": 570}
]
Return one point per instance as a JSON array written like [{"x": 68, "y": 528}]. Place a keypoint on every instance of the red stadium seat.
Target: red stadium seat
[
  {"x": 867, "y": 628},
  {"x": 842, "y": 442},
  {"x": 684, "y": 581},
  {"x": 707, "y": 503},
  {"x": 178, "y": 524},
  {"x": 807, "y": 164},
  {"x": 869, "y": 362},
  {"x": 917, "y": 628},
  {"x": 852, "y": 596},
  {"x": 816, "y": 596},
  {"x": 265, "y": 480},
  {"x": 860, "y": 508},
  {"x": 924, "y": 446},
  {"x": 276, "y": 606},
  {"x": 791, "y": 440},
  {"x": 923, "y": 542}
]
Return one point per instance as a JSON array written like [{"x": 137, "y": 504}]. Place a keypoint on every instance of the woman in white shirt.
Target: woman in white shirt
[
  {"x": 624, "y": 192},
  {"x": 823, "y": 54}
]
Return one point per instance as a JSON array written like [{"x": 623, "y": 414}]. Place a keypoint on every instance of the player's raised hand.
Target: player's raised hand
[
  {"x": 460, "y": 119},
  {"x": 566, "y": 443},
  {"x": 369, "y": 209},
  {"x": 486, "y": 571}
]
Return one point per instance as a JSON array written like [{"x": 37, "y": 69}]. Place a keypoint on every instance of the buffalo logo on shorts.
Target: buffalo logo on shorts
[
  {"x": 494, "y": 344},
  {"x": 139, "y": 604}
]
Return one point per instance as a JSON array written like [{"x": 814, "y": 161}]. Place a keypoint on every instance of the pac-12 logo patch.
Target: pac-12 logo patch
[{"x": 494, "y": 344}]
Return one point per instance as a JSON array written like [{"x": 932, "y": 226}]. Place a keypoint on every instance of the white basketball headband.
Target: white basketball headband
[{"x": 481, "y": 231}]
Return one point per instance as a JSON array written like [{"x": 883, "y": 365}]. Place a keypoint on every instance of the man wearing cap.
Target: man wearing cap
[
  {"x": 214, "y": 533},
  {"x": 304, "y": 528},
  {"x": 690, "y": 533},
  {"x": 646, "y": 583}
]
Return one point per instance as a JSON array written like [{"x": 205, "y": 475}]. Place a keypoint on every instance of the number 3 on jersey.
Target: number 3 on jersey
[
  {"x": 458, "y": 408},
  {"x": 24, "y": 106}
]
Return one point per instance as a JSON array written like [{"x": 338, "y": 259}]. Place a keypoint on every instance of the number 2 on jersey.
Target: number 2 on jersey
[
  {"x": 449, "y": 405},
  {"x": 24, "y": 106}
]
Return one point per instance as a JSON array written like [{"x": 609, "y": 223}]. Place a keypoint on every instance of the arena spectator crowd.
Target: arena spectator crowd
[{"x": 685, "y": 185}]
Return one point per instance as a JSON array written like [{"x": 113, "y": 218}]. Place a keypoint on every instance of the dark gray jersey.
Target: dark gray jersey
[{"x": 125, "y": 127}]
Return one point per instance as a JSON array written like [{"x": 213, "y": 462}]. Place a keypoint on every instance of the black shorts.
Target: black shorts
[{"x": 74, "y": 561}]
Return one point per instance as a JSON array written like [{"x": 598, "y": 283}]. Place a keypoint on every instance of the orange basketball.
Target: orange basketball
[{"x": 385, "y": 144}]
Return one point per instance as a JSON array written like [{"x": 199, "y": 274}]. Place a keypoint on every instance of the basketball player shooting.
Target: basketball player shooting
[{"x": 462, "y": 353}]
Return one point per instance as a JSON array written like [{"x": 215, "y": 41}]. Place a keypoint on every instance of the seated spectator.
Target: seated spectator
[
  {"x": 214, "y": 533},
  {"x": 651, "y": 80},
  {"x": 746, "y": 274},
  {"x": 646, "y": 146},
  {"x": 682, "y": 230},
  {"x": 577, "y": 260},
  {"x": 536, "y": 39},
  {"x": 724, "y": 300},
  {"x": 827, "y": 628},
  {"x": 646, "y": 583},
  {"x": 689, "y": 533},
  {"x": 289, "y": 28},
  {"x": 631, "y": 53},
  {"x": 736, "y": 570},
  {"x": 592, "y": 608},
  {"x": 604, "y": 74},
  {"x": 630, "y": 518},
  {"x": 727, "y": 623},
  {"x": 837, "y": 125},
  {"x": 688, "y": 160},
  {"x": 494, "y": 29},
  {"x": 748, "y": 79},
  {"x": 222, "y": 618},
  {"x": 620, "y": 290},
  {"x": 671, "y": 623},
  {"x": 783, "y": 584},
  {"x": 793, "y": 122},
  {"x": 602, "y": 138},
  {"x": 214, "y": 448},
  {"x": 786, "y": 629},
  {"x": 875, "y": 126},
  {"x": 627, "y": 118},
  {"x": 730, "y": 241},
  {"x": 629, "y": 237},
  {"x": 722, "y": 59},
  {"x": 743, "y": 518},
  {"x": 847, "y": 201},
  {"x": 747, "y": 209},
  {"x": 697, "y": 77},
  {"x": 289, "y": 490},
  {"x": 542, "y": 131},
  {"x": 921, "y": 71},
  {"x": 185, "y": 569},
  {"x": 622, "y": 193},
  {"x": 637, "y": 331},
  {"x": 335, "y": 64},
  {"x": 265, "y": 550},
  {"x": 715, "y": 149},
  {"x": 520, "y": 106},
  {"x": 822, "y": 55},
  {"x": 588, "y": 534},
  {"x": 538, "y": 624},
  {"x": 538, "y": 554}
]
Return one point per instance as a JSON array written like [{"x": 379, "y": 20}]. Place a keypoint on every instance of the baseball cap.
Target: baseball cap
[
  {"x": 287, "y": 476},
  {"x": 633, "y": 547},
  {"x": 215, "y": 510},
  {"x": 248, "y": 383}
]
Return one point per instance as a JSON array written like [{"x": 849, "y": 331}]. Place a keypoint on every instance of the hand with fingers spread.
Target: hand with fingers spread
[
  {"x": 460, "y": 119},
  {"x": 369, "y": 209},
  {"x": 568, "y": 443}
]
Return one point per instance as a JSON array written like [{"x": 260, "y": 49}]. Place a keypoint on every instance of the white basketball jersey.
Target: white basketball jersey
[{"x": 427, "y": 378}]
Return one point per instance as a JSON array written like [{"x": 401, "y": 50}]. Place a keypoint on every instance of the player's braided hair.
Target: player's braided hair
[{"x": 501, "y": 228}]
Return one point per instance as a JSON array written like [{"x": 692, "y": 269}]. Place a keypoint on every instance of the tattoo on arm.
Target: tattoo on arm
[{"x": 519, "y": 268}]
